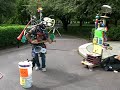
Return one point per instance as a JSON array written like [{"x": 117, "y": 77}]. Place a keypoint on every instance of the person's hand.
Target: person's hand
[
  {"x": 54, "y": 40},
  {"x": 35, "y": 42},
  {"x": 51, "y": 41},
  {"x": 117, "y": 57}
]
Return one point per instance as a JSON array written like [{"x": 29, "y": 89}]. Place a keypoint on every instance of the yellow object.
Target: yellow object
[
  {"x": 98, "y": 25},
  {"x": 40, "y": 8},
  {"x": 95, "y": 40},
  {"x": 86, "y": 63},
  {"x": 97, "y": 49},
  {"x": 22, "y": 81}
]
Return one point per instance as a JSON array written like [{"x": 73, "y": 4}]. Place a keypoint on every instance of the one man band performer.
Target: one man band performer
[{"x": 38, "y": 36}]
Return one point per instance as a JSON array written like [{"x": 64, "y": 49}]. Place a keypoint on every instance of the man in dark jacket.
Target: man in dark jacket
[{"x": 111, "y": 63}]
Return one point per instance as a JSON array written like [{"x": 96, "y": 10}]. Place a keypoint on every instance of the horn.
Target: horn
[{"x": 21, "y": 34}]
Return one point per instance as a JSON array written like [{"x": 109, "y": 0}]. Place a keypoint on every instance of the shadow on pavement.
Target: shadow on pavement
[
  {"x": 37, "y": 88},
  {"x": 63, "y": 78}
]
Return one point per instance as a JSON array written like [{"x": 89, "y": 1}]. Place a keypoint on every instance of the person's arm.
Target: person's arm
[
  {"x": 28, "y": 36},
  {"x": 49, "y": 40}
]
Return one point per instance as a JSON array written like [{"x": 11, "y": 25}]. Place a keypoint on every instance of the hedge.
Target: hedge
[
  {"x": 114, "y": 33},
  {"x": 87, "y": 32},
  {"x": 8, "y": 35},
  {"x": 82, "y": 32}
]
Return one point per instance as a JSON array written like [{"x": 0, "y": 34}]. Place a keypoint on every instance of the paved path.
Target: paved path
[{"x": 64, "y": 70}]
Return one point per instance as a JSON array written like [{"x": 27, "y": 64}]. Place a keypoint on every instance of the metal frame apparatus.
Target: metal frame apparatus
[{"x": 94, "y": 59}]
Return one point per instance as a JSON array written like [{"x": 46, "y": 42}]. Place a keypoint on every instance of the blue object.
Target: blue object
[
  {"x": 100, "y": 41},
  {"x": 102, "y": 25}
]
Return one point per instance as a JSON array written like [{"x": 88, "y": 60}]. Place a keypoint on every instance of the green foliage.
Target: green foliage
[
  {"x": 7, "y": 10},
  {"x": 32, "y": 6},
  {"x": 58, "y": 7},
  {"x": 114, "y": 33},
  {"x": 22, "y": 13},
  {"x": 82, "y": 32},
  {"x": 9, "y": 34}
]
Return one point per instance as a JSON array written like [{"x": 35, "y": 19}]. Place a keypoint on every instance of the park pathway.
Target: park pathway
[{"x": 64, "y": 70}]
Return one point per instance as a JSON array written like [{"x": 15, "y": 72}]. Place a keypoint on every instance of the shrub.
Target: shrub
[
  {"x": 8, "y": 34},
  {"x": 114, "y": 33},
  {"x": 83, "y": 32}
]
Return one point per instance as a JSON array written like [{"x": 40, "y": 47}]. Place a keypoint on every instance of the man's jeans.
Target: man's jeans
[{"x": 36, "y": 59}]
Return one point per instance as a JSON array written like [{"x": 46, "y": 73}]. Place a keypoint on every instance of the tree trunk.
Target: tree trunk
[
  {"x": 81, "y": 22},
  {"x": 65, "y": 25},
  {"x": 65, "y": 20},
  {"x": 116, "y": 22}
]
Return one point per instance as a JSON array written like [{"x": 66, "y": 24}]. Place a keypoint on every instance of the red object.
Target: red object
[
  {"x": 93, "y": 59},
  {"x": 21, "y": 34},
  {"x": 23, "y": 72},
  {"x": 96, "y": 20},
  {"x": 106, "y": 28}
]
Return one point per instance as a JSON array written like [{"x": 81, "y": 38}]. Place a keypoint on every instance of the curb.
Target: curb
[{"x": 83, "y": 50}]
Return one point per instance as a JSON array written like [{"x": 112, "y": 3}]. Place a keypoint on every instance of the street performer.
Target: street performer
[{"x": 38, "y": 36}]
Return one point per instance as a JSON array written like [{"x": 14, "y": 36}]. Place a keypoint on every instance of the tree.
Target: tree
[
  {"x": 22, "y": 14},
  {"x": 115, "y": 4},
  {"x": 87, "y": 9},
  {"x": 64, "y": 10},
  {"x": 7, "y": 10},
  {"x": 81, "y": 9}
]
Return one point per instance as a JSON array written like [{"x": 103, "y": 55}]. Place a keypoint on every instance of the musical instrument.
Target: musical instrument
[
  {"x": 106, "y": 9},
  {"x": 49, "y": 22},
  {"x": 23, "y": 31},
  {"x": 21, "y": 34},
  {"x": 39, "y": 49},
  {"x": 52, "y": 36},
  {"x": 23, "y": 40}
]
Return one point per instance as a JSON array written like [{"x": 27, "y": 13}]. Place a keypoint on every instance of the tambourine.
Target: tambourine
[{"x": 43, "y": 50}]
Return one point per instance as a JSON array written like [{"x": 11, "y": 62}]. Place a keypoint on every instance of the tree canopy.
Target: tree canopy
[{"x": 65, "y": 10}]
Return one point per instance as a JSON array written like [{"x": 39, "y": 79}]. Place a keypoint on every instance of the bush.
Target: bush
[
  {"x": 83, "y": 31},
  {"x": 114, "y": 33},
  {"x": 8, "y": 34}
]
